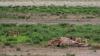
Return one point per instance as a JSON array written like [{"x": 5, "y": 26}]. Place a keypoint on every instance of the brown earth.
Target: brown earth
[
  {"x": 50, "y": 21},
  {"x": 50, "y": 2},
  {"x": 45, "y": 18},
  {"x": 27, "y": 50}
]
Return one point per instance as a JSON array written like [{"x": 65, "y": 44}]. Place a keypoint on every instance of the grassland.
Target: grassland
[
  {"x": 51, "y": 9},
  {"x": 21, "y": 12},
  {"x": 41, "y": 33}
]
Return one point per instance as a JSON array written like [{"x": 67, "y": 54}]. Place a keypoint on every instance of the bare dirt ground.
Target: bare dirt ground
[
  {"x": 50, "y": 18},
  {"x": 23, "y": 50},
  {"x": 46, "y": 51},
  {"x": 50, "y": 21},
  {"x": 50, "y": 2}
]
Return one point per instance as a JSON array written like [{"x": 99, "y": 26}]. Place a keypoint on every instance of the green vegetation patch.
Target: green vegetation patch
[
  {"x": 51, "y": 9},
  {"x": 38, "y": 33},
  {"x": 18, "y": 11}
]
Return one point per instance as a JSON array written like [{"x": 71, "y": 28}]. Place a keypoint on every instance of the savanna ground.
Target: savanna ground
[
  {"x": 50, "y": 2},
  {"x": 26, "y": 50},
  {"x": 49, "y": 14},
  {"x": 32, "y": 40},
  {"x": 20, "y": 35}
]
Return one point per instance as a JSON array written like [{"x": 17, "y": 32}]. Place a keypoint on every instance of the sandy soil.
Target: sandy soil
[
  {"x": 50, "y": 21},
  {"x": 41, "y": 51},
  {"x": 51, "y": 2},
  {"x": 49, "y": 18}
]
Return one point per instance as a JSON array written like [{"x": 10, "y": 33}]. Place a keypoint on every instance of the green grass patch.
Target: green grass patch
[
  {"x": 51, "y": 9},
  {"x": 9, "y": 10},
  {"x": 38, "y": 33}
]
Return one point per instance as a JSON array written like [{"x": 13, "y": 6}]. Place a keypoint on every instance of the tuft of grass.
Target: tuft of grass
[
  {"x": 18, "y": 49},
  {"x": 68, "y": 54}
]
